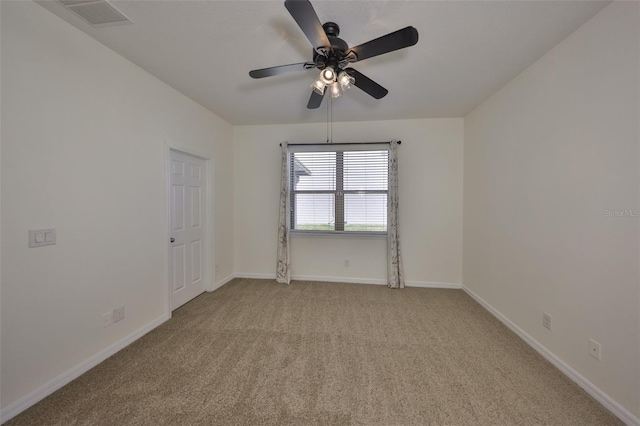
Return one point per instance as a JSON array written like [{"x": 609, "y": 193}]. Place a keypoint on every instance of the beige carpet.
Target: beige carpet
[{"x": 256, "y": 352}]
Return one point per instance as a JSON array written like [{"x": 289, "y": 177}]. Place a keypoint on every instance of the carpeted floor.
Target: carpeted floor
[{"x": 256, "y": 352}]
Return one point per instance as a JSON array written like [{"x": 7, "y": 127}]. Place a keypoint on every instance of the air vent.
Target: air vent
[{"x": 98, "y": 13}]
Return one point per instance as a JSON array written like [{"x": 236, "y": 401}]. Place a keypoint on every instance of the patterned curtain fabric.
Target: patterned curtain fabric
[
  {"x": 283, "y": 270},
  {"x": 394, "y": 260}
]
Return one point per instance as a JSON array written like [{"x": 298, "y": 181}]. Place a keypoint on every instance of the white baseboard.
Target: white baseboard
[
  {"x": 339, "y": 279},
  {"x": 222, "y": 282},
  {"x": 47, "y": 389},
  {"x": 255, "y": 276},
  {"x": 609, "y": 403},
  {"x": 376, "y": 281},
  {"x": 423, "y": 284}
]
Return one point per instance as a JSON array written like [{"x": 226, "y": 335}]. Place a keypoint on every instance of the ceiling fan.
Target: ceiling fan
[{"x": 332, "y": 55}]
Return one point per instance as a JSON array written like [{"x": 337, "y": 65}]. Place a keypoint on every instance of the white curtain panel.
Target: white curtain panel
[
  {"x": 283, "y": 269},
  {"x": 394, "y": 259}
]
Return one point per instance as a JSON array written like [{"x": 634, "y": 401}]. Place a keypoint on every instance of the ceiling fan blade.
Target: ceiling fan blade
[
  {"x": 367, "y": 85},
  {"x": 306, "y": 18},
  {"x": 281, "y": 69},
  {"x": 315, "y": 100},
  {"x": 388, "y": 43}
]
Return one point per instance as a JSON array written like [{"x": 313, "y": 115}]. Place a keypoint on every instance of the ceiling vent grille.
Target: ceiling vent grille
[{"x": 98, "y": 13}]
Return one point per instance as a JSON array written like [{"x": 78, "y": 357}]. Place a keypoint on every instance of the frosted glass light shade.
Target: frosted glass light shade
[
  {"x": 335, "y": 90},
  {"x": 345, "y": 80},
  {"x": 328, "y": 75},
  {"x": 318, "y": 86}
]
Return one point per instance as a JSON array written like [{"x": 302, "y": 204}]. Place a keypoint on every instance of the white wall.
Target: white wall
[
  {"x": 83, "y": 141},
  {"x": 544, "y": 158},
  {"x": 430, "y": 160}
]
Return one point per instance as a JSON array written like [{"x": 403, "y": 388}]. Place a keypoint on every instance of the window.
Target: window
[{"x": 339, "y": 190}]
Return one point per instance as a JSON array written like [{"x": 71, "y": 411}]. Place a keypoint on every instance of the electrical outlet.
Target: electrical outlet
[
  {"x": 42, "y": 237},
  {"x": 217, "y": 268},
  {"x": 107, "y": 319},
  {"x": 347, "y": 263},
  {"x": 595, "y": 350},
  {"x": 118, "y": 314},
  {"x": 546, "y": 320}
]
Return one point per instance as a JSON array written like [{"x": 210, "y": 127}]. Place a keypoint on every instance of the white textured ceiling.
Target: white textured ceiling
[{"x": 467, "y": 50}]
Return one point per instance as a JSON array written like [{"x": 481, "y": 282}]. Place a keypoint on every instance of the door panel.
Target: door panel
[
  {"x": 178, "y": 267},
  {"x": 196, "y": 263},
  {"x": 187, "y": 210},
  {"x": 177, "y": 168},
  {"x": 195, "y": 206},
  {"x": 177, "y": 207}
]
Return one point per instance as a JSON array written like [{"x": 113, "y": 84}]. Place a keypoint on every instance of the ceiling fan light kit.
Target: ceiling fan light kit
[
  {"x": 332, "y": 55},
  {"x": 337, "y": 85}
]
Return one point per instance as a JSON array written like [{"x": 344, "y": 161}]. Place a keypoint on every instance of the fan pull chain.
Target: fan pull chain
[{"x": 329, "y": 120}]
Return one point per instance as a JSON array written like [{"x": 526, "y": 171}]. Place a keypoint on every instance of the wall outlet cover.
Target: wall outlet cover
[
  {"x": 42, "y": 237},
  {"x": 118, "y": 314},
  {"x": 107, "y": 319},
  {"x": 595, "y": 349}
]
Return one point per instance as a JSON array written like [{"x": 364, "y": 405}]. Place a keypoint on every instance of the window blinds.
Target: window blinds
[{"x": 339, "y": 188}]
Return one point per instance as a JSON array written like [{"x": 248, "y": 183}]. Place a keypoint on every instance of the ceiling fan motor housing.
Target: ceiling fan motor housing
[{"x": 337, "y": 57}]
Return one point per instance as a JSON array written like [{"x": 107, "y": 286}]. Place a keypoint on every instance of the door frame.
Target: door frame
[{"x": 209, "y": 247}]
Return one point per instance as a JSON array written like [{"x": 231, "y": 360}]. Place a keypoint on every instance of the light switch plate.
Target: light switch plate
[{"x": 42, "y": 237}]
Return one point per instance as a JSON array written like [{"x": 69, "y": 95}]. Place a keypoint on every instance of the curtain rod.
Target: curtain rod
[{"x": 345, "y": 143}]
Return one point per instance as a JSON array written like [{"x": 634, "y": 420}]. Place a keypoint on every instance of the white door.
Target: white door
[{"x": 187, "y": 234}]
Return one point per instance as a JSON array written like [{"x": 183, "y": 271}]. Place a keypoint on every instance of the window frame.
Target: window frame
[{"x": 339, "y": 192}]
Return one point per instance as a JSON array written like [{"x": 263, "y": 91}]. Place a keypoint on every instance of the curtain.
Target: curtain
[
  {"x": 283, "y": 269},
  {"x": 394, "y": 260}
]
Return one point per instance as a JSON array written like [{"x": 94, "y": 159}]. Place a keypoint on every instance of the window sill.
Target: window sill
[{"x": 338, "y": 234}]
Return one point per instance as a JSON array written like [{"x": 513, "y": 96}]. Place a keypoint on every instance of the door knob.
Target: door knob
[{"x": 173, "y": 240}]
